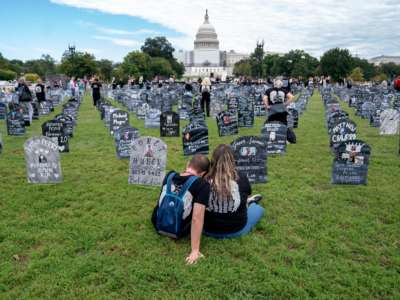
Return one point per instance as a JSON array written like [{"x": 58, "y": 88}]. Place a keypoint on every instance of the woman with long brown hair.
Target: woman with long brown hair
[{"x": 229, "y": 212}]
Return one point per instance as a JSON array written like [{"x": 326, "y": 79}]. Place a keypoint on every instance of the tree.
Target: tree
[
  {"x": 105, "y": 68},
  {"x": 158, "y": 47},
  {"x": 7, "y": 75},
  {"x": 78, "y": 64},
  {"x": 390, "y": 69},
  {"x": 336, "y": 63},
  {"x": 43, "y": 66},
  {"x": 136, "y": 64},
  {"x": 368, "y": 69},
  {"x": 299, "y": 64},
  {"x": 160, "y": 66},
  {"x": 32, "y": 77},
  {"x": 273, "y": 65},
  {"x": 242, "y": 68},
  {"x": 357, "y": 75},
  {"x": 256, "y": 60}
]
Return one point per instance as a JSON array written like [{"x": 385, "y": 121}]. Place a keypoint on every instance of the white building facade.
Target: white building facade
[{"x": 206, "y": 59}]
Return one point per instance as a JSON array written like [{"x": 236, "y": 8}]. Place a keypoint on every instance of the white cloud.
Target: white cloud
[
  {"x": 118, "y": 41},
  {"x": 366, "y": 27},
  {"x": 114, "y": 31}
]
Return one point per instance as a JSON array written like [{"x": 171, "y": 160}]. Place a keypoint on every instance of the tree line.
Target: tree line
[
  {"x": 155, "y": 58},
  {"x": 336, "y": 63}
]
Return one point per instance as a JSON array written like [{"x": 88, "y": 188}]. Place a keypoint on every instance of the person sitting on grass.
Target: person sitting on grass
[
  {"x": 182, "y": 203},
  {"x": 230, "y": 213}
]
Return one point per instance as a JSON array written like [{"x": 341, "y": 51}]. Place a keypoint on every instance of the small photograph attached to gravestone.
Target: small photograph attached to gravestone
[
  {"x": 195, "y": 139},
  {"x": 251, "y": 158},
  {"x": 350, "y": 165},
  {"x": 55, "y": 130},
  {"x": 274, "y": 134},
  {"x": 123, "y": 141},
  {"x": 3, "y": 111},
  {"x": 15, "y": 123},
  {"x": 148, "y": 161},
  {"x": 245, "y": 112},
  {"x": 42, "y": 160},
  {"x": 169, "y": 124},
  {"x": 227, "y": 123},
  {"x": 152, "y": 119},
  {"x": 118, "y": 119},
  {"x": 390, "y": 119},
  {"x": 342, "y": 131}
]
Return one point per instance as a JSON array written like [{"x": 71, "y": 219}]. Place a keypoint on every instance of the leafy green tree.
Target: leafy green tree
[
  {"x": 368, "y": 69},
  {"x": 242, "y": 68},
  {"x": 136, "y": 64},
  {"x": 357, "y": 75},
  {"x": 273, "y": 65},
  {"x": 158, "y": 46},
  {"x": 32, "y": 77},
  {"x": 78, "y": 64},
  {"x": 43, "y": 66},
  {"x": 256, "y": 61},
  {"x": 336, "y": 63},
  {"x": 7, "y": 75},
  {"x": 160, "y": 66},
  {"x": 105, "y": 68},
  {"x": 390, "y": 69},
  {"x": 298, "y": 63}
]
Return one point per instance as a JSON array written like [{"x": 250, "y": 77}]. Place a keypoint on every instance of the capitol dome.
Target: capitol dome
[{"x": 206, "y": 36}]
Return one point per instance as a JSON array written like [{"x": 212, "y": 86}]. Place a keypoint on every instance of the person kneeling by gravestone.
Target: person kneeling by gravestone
[
  {"x": 183, "y": 200},
  {"x": 230, "y": 213}
]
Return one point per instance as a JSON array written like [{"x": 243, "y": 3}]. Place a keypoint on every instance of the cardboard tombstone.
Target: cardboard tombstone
[
  {"x": 350, "y": 165},
  {"x": 216, "y": 106},
  {"x": 197, "y": 116},
  {"x": 35, "y": 111},
  {"x": 293, "y": 116},
  {"x": 107, "y": 115},
  {"x": 142, "y": 111},
  {"x": 118, "y": 119},
  {"x": 251, "y": 158},
  {"x": 3, "y": 111},
  {"x": 375, "y": 118},
  {"x": 27, "y": 112},
  {"x": 44, "y": 108},
  {"x": 274, "y": 134},
  {"x": 259, "y": 107},
  {"x": 336, "y": 117},
  {"x": 55, "y": 130},
  {"x": 342, "y": 131},
  {"x": 15, "y": 123},
  {"x": 227, "y": 123},
  {"x": 148, "y": 161},
  {"x": 42, "y": 160},
  {"x": 195, "y": 139},
  {"x": 246, "y": 112},
  {"x": 124, "y": 138},
  {"x": 233, "y": 102},
  {"x": 169, "y": 124},
  {"x": 152, "y": 119},
  {"x": 68, "y": 122},
  {"x": 390, "y": 119},
  {"x": 367, "y": 109}
]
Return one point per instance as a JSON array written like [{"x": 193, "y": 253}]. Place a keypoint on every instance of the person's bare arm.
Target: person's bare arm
[
  {"x": 195, "y": 235},
  {"x": 265, "y": 99}
]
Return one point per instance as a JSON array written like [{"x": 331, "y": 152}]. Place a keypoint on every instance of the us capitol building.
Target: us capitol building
[{"x": 206, "y": 59}]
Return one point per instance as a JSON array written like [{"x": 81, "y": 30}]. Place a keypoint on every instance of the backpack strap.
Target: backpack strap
[
  {"x": 169, "y": 182},
  {"x": 187, "y": 185}
]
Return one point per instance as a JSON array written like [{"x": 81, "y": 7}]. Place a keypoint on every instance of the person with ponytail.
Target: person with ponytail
[{"x": 229, "y": 212}]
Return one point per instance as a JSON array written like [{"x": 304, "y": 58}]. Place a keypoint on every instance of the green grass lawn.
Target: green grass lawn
[{"x": 91, "y": 236}]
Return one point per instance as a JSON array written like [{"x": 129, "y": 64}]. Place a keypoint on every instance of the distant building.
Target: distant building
[
  {"x": 385, "y": 59},
  {"x": 206, "y": 59}
]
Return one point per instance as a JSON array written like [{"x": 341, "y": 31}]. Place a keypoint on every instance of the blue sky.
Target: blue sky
[{"x": 112, "y": 28}]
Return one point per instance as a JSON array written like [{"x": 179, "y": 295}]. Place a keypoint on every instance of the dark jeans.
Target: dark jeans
[
  {"x": 205, "y": 101},
  {"x": 96, "y": 98}
]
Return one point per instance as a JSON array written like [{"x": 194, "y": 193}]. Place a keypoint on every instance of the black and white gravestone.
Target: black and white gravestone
[
  {"x": 216, "y": 106},
  {"x": 55, "y": 130},
  {"x": 169, "y": 124},
  {"x": 245, "y": 112},
  {"x": 375, "y": 118},
  {"x": 195, "y": 139},
  {"x": 390, "y": 119},
  {"x": 342, "y": 131},
  {"x": 197, "y": 116},
  {"x": 152, "y": 119},
  {"x": 15, "y": 123},
  {"x": 350, "y": 165},
  {"x": 3, "y": 111},
  {"x": 124, "y": 138},
  {"x": 142, "y": 111},
  {"x": 68, "y": 122},
  {"x": 118, "y": 119},
  {"x": 42, "y": 160},
  {"x": 35, "y": 111},
  {"x": 148, "y": 161},
  {"x": 44, "y": 108},
  {"x": 274, "y": 134},
  {"x": 259, "y": 107},
  {"x": 251, "y": 158},
  {"x": 293, "y": 116},
  {"x": 27, "y": 112},
  {"x": 227, "y": 123},
  {"x": 233, "y": 102}
]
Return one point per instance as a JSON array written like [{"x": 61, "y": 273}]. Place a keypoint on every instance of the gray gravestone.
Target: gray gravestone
[
  {"x": 124, "y": 138},
  {"x": 42, "y": 160},
  {"x": 390, "y": 119},
  {"x": 148, "y": 161},
  {"x": 15, "y": 123},
  {"x": 152, "y": 119}
]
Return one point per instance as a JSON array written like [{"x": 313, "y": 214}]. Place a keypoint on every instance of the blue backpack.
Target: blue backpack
[{"x": 170, "y": 209}]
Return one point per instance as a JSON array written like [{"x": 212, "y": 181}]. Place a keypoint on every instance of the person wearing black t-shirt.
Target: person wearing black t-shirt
[
  {"x": 96, "y": 86},
  {"x": 40, "y": 91},
  {"x": 276, "y": 100},
  {"x": 195, "y": 201},
  {"x": 229, "y": 212}
]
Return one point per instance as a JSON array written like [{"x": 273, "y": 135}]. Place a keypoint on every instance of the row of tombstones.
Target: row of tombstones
[
  {"x": 381, "y": 108},
  {"x": 42, "y": 153},
  {"x": 351, "y": 156}
]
